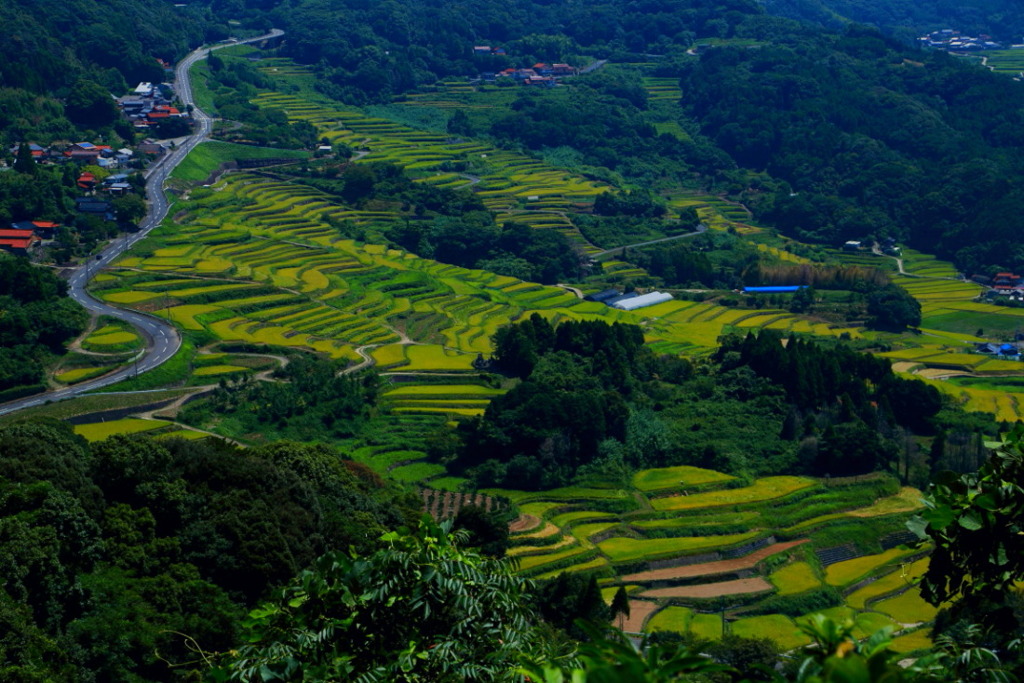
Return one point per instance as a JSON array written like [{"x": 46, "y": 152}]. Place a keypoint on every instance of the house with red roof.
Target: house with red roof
[
  {"x": 19, "y": 242},
  {"x": 43, "y": 229},
  {"x": 83, "y": 151},
  {"x": 87, "y": 181},
  {"x": 1006, "y": 279}
]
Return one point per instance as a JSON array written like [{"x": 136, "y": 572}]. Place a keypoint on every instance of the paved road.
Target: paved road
[
  {"x": 618, "y": 250},
  {"x": 162, "y": 339}
]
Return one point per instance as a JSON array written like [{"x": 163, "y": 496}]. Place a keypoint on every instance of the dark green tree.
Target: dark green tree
[
  {"x": 976, "y": 522},
  {"x": 620, "y": 606},
  {"x": 421, "y": 608},
  {"x": 89, "y": 104},
  {"x": 892, "y": 307},
  {"x": 24, "y": 163}
]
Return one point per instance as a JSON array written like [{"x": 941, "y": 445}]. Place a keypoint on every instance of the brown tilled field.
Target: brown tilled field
[
  {"x": 711, "y": 568},
  {"x": 711, "y": 590}
]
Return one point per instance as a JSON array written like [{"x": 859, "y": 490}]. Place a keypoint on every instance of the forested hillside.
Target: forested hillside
[
  {"x": 117, "y": 555},
  {"x": 830, "y": 136}
]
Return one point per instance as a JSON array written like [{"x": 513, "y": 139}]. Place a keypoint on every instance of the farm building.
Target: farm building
[
  {"x": 643, "y": 301},
  {"x": 773, "y": 289},
  {"x": 621, "y": 297},
  {"x": 602, "y": 297},
  {"x": 18, "y": 241}
]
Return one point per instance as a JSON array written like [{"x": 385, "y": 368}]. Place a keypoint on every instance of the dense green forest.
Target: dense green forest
[
  {"x": 112, "y": 552},
  {"x": 36, "y": 320},
  {"x": 595, "y": 403}
]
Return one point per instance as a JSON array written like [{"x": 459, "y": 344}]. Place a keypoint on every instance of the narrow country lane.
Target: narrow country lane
[{"x": 162, "y": 339}]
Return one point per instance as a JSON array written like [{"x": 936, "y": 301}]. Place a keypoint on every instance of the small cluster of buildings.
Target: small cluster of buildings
[
  {"x": 951, "y": 39},
  {"x": 1007, "y": 284},
  {"x": 485, "y": 50},
  {"x": 116, "y": 185},
  {"x": 1004, "y": 350},
  {"x": 887, "y": 246},
  {"x": 103, "y": 156},
  {"x": 148, "y": 105},
  {"x": 24, "y": 237},
  {"x": 629, "y": 302},
  {"x": 540, "y": 74}
]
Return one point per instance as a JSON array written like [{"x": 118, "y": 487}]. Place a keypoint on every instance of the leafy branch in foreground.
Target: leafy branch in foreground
[
  {"x": 421, "y": 608},
  {"x": 976, "y": 522}
]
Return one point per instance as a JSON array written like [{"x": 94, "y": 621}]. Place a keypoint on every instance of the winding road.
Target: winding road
[{"x": 162, "y": 339}]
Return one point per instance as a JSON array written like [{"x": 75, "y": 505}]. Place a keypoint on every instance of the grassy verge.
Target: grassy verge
[
  {"x": 176, "y": 370},
  {"x": 204, "y": 159}
]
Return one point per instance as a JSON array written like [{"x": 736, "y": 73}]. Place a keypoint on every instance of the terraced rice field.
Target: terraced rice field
[
  {"x": 674, "y": 564},
  {"x": 273, "y": 271},
  {"x": 662, "y": 89},
  {"x": 1010, "y": 62},
  {"x": 511, "y": 184}
]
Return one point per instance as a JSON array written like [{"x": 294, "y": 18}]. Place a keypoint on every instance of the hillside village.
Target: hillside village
[
  {"x": 103, "y": 172},
  {"x": 541, "y": 74},
  {"x": 952, "y": 40}
]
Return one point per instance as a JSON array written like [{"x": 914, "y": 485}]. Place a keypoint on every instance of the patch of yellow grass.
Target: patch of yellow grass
[
  {"x": 98, "y": 431},
  {"x": 763, "y": 489}
]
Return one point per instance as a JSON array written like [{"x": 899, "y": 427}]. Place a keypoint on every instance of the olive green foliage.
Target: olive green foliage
[{"x": 419, "y": 608}]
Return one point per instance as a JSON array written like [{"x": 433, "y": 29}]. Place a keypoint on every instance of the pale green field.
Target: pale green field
[
  {"x": 675, "y": 477},
  {"x": 80, "y": 374},
  {"x": 631, "y": 549},
  {"x": 907, "y": 608},
  {"x": 101, "y": 430},
  {"x": 779, "y": 628},
  {"x": 795, "y": 578},
  {"x": 762, "y": 490},
  {"x": 905, "y": 576},
  {"x": 851, "y": 571}
]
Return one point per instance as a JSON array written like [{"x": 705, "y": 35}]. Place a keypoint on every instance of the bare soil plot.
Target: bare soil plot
[
  {"x": 523, "y": 523},
  {"x": 710, "y": 568},
  {"x": 639, "y": 612},
  {"x": 711, "y": 590}
]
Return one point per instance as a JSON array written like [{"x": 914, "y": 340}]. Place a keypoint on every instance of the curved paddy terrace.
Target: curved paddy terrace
[{"x": 694, "y": 546}]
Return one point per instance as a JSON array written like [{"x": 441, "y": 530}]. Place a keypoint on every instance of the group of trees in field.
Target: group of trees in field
[
  {"x": 594, "y": 399},
  {"x": 311, "y": 399},
  {"x": 451, "y": 226}
]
